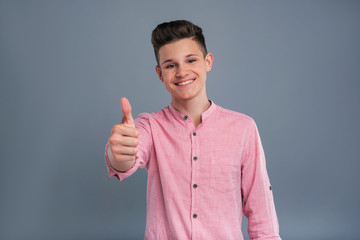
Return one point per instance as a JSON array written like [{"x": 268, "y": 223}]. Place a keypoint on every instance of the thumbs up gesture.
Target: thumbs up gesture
[
  {"x": 123, "y": 140},
  {"x": 126, "y": 109}
]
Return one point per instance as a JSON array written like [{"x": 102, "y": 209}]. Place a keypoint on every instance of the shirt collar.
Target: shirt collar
[{"x": 205, "y": 115}]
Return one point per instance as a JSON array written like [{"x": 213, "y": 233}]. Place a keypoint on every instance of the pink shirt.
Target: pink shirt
[{"x": 201, "y": 180}]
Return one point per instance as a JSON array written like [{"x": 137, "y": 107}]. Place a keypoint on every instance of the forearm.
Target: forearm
[
  {"x": 258, "y": 198},
  {"x": 262, "y": 218}
]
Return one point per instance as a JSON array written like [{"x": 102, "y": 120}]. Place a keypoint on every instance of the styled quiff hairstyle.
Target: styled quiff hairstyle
[{"x": 168, "y": 32}]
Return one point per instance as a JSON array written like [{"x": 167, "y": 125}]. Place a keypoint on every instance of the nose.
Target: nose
[{"x": 181, "y": 71}]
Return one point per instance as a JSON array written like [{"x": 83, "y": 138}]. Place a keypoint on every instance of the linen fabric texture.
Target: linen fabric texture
[{"x": 201, "y": 180}]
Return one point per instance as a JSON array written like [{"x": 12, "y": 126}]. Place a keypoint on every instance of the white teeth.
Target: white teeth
[{"x": 184, "y": 83}]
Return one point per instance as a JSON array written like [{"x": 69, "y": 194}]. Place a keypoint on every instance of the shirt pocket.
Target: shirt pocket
[{"x": 224, "y": 175}]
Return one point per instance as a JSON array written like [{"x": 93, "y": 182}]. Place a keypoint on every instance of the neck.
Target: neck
[{"x": 192, "y": 107}]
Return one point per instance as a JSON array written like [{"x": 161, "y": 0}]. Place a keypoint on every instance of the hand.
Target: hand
[{"x": 124, "y": 137}]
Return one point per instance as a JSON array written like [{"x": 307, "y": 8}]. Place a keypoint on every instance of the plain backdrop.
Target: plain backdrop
[{"x": 293, "y": 66}]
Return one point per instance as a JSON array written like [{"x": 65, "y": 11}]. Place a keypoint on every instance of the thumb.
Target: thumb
[{"x": 126, "y": 109}]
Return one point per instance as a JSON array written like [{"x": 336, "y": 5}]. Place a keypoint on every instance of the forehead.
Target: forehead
[{"x": 179, "y": 48}]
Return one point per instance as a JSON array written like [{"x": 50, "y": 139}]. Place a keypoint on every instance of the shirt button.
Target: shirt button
[
  {"x": 195, "y": 158},
  {"x": 195, "y": 216},
  {"x": 194, "y": 133},
  {"x": 185, "y": 117},
  {"x": 195, "y": 186}
]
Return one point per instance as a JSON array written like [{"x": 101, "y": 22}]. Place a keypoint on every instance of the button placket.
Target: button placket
[{"x": 194, "y": 180}]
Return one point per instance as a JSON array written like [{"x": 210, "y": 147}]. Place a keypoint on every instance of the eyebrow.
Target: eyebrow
[{"x": 189, "y": 55}]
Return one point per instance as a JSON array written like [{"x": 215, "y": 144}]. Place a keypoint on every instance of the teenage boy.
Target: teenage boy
[{"x": 206, "y": 164}]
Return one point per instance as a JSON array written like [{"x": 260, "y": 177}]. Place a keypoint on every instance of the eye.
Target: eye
[
  {"x": 170, "y": 66},
  {"x": 192, "y": 60}
]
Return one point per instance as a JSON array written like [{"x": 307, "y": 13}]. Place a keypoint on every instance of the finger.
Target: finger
[
  {"x": 128, "y": 141},
  {"x": 124, "y": 158},
  {"x": 123, "y": 150},
  {"x": 126, "y": 109},
  {"x": 119, "y": 141},
  {"x": 124, "y": 130}
]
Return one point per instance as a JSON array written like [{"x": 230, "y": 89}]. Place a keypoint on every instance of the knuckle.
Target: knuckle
[
  {"x": 118, "y": 128},
  {"x": 111, "y": 140},
  {"x": 137, "y": 133},
  {"x": 134, "y": 151},
  {"x": 114, "y": 140},
  {"x": 114, "y": 128}
]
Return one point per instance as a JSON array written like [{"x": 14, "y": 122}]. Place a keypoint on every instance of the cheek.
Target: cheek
[
  {"x": 166, "y": 76},
  {"x": 200, "y": 67},
  {"x": 201, "y": 70}
]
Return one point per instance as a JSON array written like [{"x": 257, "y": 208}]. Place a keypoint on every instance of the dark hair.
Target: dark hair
[{"x": 168, "y": 32}]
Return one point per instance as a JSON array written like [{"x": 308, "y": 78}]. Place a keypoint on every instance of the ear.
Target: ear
[
  {"x": 158, "y": 71},
  {"x": 209, "y": 61}
]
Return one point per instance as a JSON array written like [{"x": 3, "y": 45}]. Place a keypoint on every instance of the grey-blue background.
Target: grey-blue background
[{"x": 294, "y": 66}]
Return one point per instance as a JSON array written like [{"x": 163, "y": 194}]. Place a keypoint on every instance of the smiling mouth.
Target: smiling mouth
[{"x": 184, "y": 82}]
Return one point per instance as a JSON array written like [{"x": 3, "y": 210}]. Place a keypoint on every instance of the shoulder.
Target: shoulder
[
  {"x": 147, "y": 117},
  {"x": 238, "y": 121},
  {"x": 234, "y": 116}
]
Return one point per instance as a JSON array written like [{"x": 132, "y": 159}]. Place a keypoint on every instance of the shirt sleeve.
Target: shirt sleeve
[
  {"x": 258, "y": 199},
  {"x": 142, "y": 124}
]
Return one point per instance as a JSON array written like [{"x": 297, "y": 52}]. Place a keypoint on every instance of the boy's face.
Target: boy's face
[{"x": 182, "y": 68}]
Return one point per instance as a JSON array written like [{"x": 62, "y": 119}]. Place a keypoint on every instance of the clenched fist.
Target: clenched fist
[{"x": 123, "y": 141}]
